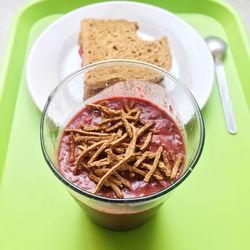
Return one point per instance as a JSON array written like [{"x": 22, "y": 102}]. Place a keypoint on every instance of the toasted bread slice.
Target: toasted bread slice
[{"x": 117, "y": 39}]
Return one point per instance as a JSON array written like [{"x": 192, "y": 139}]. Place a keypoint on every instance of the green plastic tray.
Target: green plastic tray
[{"x": 210, "y": 210}]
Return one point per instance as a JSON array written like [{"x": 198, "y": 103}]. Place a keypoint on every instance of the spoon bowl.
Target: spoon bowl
[{"x": 217, "y": 47}]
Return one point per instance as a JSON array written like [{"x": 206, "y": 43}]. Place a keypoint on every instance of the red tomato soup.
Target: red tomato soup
[{"x": 163, "y": 132}]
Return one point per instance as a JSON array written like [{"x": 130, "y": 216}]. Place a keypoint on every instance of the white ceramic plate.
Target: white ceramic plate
[{"x": 54, "y": 54}]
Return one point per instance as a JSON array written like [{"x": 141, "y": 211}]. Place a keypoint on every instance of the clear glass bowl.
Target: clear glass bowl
[{"x": 170, "y": 94}]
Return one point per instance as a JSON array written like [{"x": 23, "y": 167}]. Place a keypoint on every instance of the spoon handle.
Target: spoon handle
[{"x": 225, "y": 98}]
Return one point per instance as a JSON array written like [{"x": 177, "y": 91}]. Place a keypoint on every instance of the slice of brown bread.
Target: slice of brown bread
[
  {"x": 96, "y": 81},
  {"x": 105, "y": 39}
]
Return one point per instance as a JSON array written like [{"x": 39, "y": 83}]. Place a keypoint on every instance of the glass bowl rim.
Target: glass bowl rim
[{"x": 124, "y": 200}]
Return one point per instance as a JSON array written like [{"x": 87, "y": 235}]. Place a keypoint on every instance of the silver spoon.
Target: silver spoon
[{"x": 218, "y": 49}]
